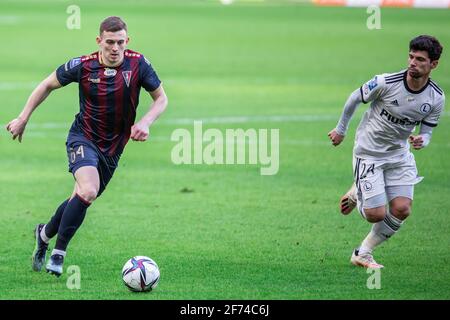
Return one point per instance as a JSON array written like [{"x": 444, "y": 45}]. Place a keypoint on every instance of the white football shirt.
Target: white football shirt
[{"x": 394, "y": 112}]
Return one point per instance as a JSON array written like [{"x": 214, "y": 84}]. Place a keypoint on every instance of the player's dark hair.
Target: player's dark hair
[
  {"x": 427, "y": 43},
  {"x": 112, "y": 24}
]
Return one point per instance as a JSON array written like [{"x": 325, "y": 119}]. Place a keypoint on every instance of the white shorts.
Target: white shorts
[{"x": 374, "y": 176}]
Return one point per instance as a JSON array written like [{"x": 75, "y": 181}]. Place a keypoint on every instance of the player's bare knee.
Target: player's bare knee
[
  {"x": 401, "y": 207},
  {"x": 374, "y": 215},
  {"x": 88, "y": 193},
  {"x": 401, "y": 211}
]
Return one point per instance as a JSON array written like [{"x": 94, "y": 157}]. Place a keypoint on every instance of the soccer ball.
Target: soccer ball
[{"x": 140, "y": 273}]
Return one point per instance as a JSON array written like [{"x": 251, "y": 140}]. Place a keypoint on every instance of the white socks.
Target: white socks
[
  {"x": 47, "y": 240},
  {"x": 60, "y": 252},
  {"x": 44, "y": 236},
  {"x": 381, "y": 231}
]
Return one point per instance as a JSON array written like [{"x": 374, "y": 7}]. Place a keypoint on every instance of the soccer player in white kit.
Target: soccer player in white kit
[{"x": 384, "y": 168}]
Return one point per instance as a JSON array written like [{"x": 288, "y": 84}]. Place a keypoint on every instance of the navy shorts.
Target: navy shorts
[{"x": 81, "y": 152}]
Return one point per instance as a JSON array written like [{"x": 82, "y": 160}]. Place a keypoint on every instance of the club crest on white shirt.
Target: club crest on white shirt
[{"x": 425, "y": 108}]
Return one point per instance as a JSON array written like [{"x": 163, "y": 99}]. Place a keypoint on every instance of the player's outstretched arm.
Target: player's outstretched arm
[
  {"x": 140, "y": 130},
  {"x": 337, "y": 135},
  {"x": 17, "y": 126}
]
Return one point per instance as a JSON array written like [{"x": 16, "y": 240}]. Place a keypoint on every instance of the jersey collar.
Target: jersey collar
[
  {"x": 100, "y": 61},
  {"x": 411, "y": 90}
]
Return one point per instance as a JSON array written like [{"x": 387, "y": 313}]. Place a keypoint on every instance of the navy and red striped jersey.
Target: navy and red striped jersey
[{"x": 108, "y": 97}]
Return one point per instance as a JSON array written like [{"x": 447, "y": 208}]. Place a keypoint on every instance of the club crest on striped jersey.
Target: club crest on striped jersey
[
  {"x": 110, "y": 72},
  {"x": 127, "y": 77}
]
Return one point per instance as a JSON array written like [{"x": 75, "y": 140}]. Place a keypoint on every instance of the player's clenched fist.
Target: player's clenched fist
[
  {"x": 416, "y": 142},
  {"x": 16, "y": 127},
  {"x": 139, "y": 132},
  {"x": 335, "y": 137}
]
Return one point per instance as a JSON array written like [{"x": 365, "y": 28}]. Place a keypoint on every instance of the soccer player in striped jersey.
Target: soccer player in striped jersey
[
  {"x": 109, "y": 82},
  {"x": 384, "y": 169}
]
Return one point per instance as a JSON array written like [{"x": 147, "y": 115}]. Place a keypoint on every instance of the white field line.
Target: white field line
[
  {"x": 300, "y": 142},
  {"x": 11, "y": 86},
  {"x": 207, "y": 120},
  {"x": 253, "y": 119},
  {"x": 214, "y": 120},
  {"x": 7, "y": 19},
  {"x": 307, "y": 142}
]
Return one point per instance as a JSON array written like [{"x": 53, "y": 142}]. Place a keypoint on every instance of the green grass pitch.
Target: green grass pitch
[{"x": 237, "y": 234}]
